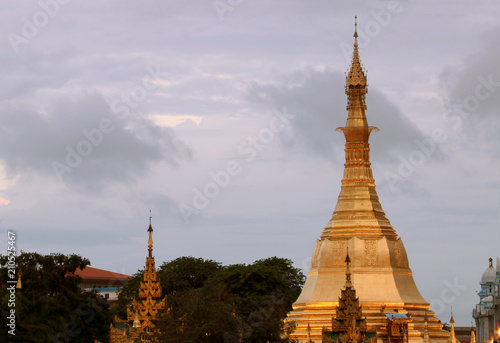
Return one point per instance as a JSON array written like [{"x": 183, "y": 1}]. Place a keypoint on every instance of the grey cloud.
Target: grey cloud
[
  {"x": 318, "y": 101},
  {"x": 33, "y": 142},
  {"x": 24, "y": 74},
  {"x": 473, "y": 92}
]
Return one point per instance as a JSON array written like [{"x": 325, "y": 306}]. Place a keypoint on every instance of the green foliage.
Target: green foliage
[
  {"x": 128, "y": 292},
  {"x": 208, "y": 302},
  {"x": 51, "y": 307},
  {"x": 198, "y": 315},
  {"x": 273, "y": 276},
  {"x": 264, "y": 293},
  {"x": 179, "y": 275},
  {"x": 185, "y": 273}
]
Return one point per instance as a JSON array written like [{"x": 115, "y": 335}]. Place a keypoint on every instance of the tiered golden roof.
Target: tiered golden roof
[
  {"x": 150, "y": 292},
  {"x": 348, "y": 325},
  {"x": 145, "y": 309}
]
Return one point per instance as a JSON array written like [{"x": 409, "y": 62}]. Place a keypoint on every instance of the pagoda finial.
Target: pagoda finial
[
  {"x": 356, "y": 88},
  {"x": 150, "y": 241},
  {"x": 356, "y": 28},
  {"x": 356, "y": 76},
  {"x": 348, "y": 283},
  {"x": 472, "y": 334}
]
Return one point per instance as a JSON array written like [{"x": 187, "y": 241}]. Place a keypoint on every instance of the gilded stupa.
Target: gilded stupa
[
  {"x": 379, "y": 264},
  {"x": 139, "y": 325}
]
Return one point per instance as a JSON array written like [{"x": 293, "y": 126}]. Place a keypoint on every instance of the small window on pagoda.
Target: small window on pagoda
[{"x": 106, "y": 296}]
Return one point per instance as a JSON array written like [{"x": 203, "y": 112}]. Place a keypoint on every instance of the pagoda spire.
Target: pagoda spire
[
  {"x": 472, "y": 334},
  {"x": 452, "y": 329},
  {"x": 356, "y": 88},
  {"x": 150, "y": 292},
  {"x": 348, "y": 326},
  {"x": 358, "y": 197}
]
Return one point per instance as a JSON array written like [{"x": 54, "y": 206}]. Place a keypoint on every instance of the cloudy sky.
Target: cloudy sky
[{"x": 220, "y": 117}]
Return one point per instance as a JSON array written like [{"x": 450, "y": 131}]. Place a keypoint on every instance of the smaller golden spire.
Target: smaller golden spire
[
  {"x": 452, "y": 329},
  {"x": 150, "y": 291},
  {"x": 472, "y": 334},
  {"x": 137, "y": 322},
  {"x": 19, "y": 285}
]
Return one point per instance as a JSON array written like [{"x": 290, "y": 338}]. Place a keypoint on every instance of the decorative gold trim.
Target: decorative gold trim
[
  {"x": 338, "y": 252},
  {"x": 370, "y": 252}
]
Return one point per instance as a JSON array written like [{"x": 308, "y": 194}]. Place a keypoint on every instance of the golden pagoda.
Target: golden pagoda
[
  {"x": 139, "y": 325},
  {"x": 379, "y": 264}
]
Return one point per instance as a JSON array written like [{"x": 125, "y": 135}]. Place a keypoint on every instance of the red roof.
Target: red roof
[{"x": 95, "y": 275}]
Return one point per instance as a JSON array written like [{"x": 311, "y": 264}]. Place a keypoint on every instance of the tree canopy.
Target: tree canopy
[
  {"x": 51, "y": 306},
  {"x": 208, "y": 302}
]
